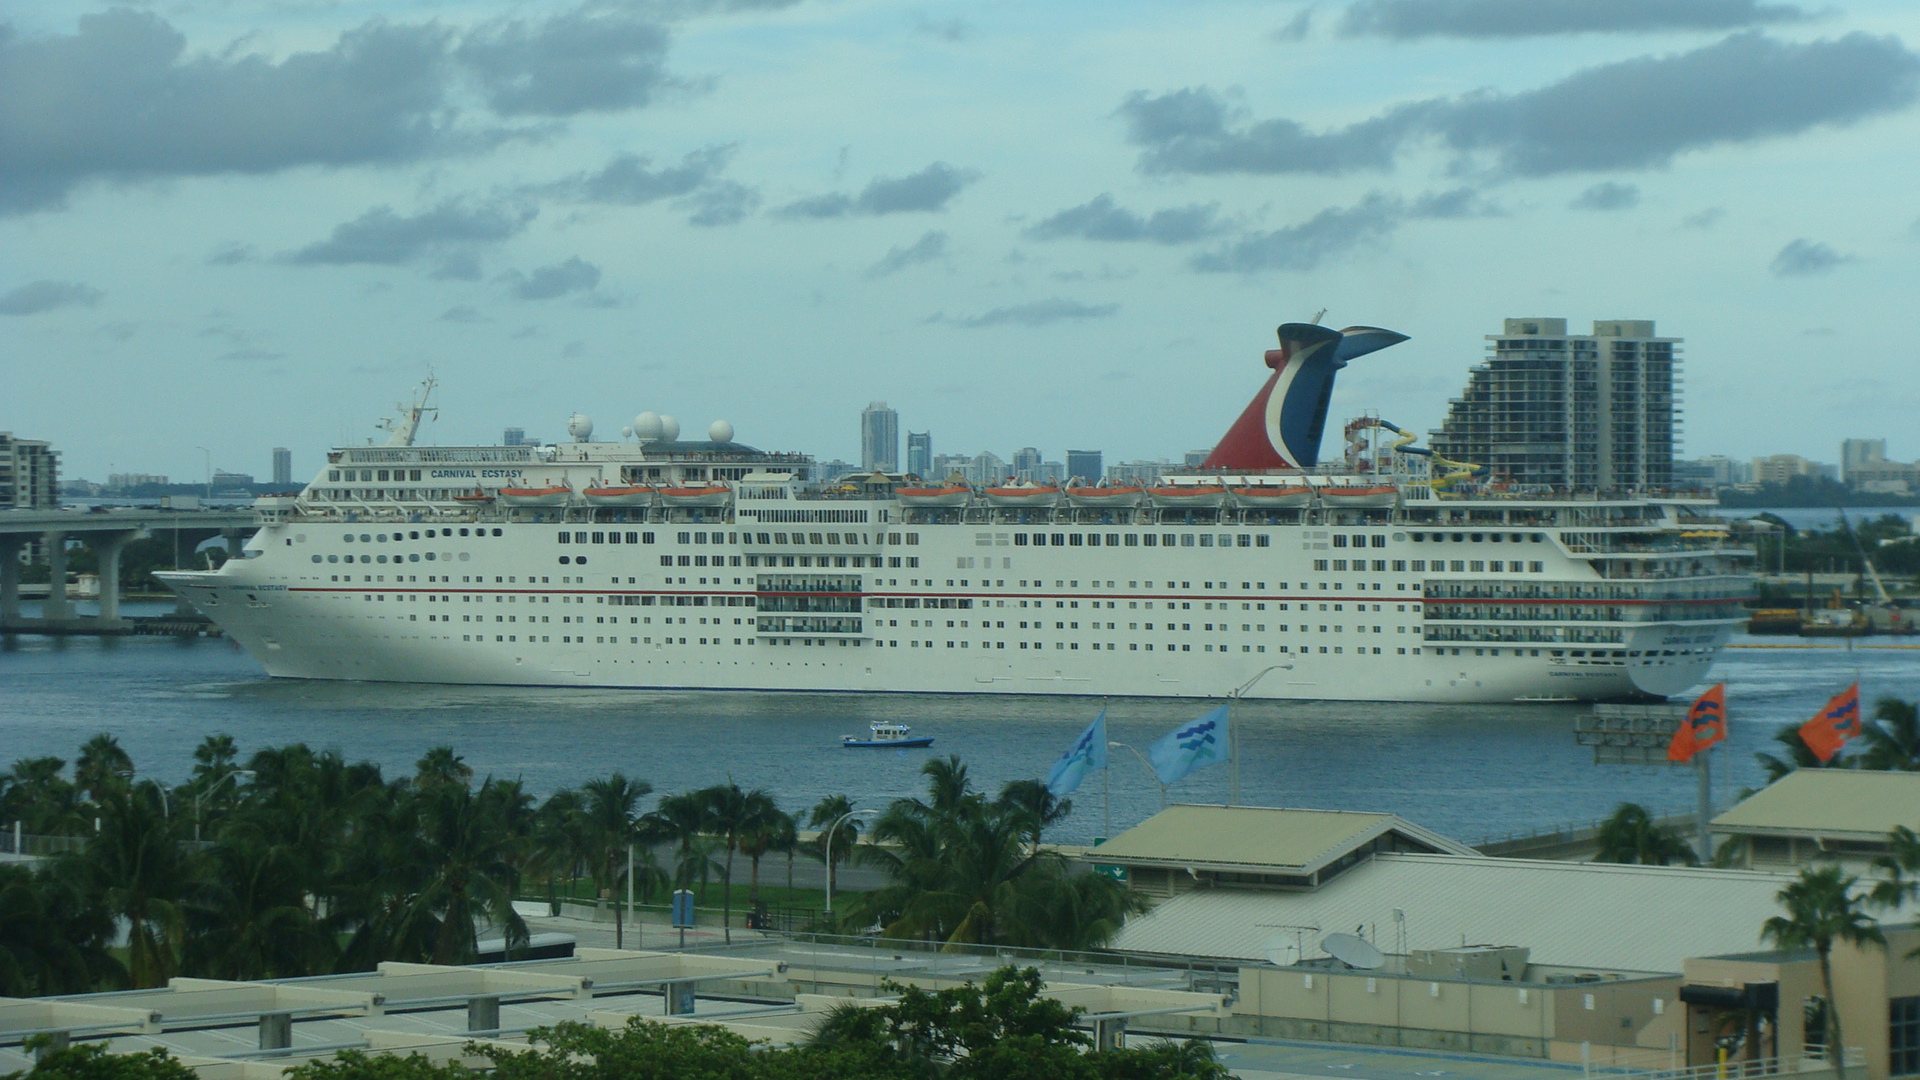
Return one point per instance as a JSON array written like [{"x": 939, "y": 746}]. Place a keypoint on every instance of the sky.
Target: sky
[{"x": 229, "y": 225}]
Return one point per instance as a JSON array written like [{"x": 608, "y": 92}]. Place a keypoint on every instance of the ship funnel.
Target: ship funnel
[{"x": 1281, "y": 427}]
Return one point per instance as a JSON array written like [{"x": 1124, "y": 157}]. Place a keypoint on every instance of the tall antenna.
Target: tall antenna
[{"x": 403, "y": 426}]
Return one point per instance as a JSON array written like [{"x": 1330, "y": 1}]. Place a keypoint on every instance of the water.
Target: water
[{"x": 1465, "y": 771}]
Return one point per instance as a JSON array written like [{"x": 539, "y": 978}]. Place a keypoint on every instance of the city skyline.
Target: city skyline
[{"x": 1013, "y": 223}]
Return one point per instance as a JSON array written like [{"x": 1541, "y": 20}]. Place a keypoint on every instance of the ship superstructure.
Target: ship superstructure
[{"x": 1388, "y": 575}]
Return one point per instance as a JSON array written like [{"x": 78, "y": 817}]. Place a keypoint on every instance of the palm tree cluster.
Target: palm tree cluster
[
  {"x": 966, "y": 869},
  {"x": 1631, "y": 835},
  {"x": 1889, "y": 741}
]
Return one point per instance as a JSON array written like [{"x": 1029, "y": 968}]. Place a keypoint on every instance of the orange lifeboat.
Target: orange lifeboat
[
  {"x": 1104, "y": 495},
  {"x": 954, "y": 495},
  {"x": 1024, "y": 495},
  {"x": 1275, "y": 497},
  {"x": 1367, "y": 496},
  {"x": 702, "y": 495},
  {"x": 618, "y": 495},
  {"x": 1194, "y": 495},
  {"x": 556, "y": 495}
]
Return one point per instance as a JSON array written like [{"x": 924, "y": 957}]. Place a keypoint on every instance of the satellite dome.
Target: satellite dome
[
  {"x": 646, "y": 426},
  {"x": 669, "y": 428},
  {"x": 720, "y": 431},
  {"x": 626, "y": 432},
  {"x": 579, "y": 427}
]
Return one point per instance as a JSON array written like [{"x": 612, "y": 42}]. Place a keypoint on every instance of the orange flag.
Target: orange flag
[
  {"x": 1706, "y": 724},
  {"x": 1832, "y": 726}
]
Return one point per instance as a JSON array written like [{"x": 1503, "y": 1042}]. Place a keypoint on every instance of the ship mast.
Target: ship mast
[{"x": 407, "y": 422}]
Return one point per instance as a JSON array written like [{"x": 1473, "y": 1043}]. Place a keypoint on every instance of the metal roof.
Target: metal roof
[
  {"x": 1257, "y": 838},
  {"x": 1850, "y": 804},
  {"x": 1592, "y": 916}
]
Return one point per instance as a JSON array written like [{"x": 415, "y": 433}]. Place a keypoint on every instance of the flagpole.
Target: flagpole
[
  {"x": 1703, "y": 771},
  {"x": 1233, "y": 731}
]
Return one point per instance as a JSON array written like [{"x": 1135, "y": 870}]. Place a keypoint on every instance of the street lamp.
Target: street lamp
[
  {"x": 831, "y": 829},
  {"x": 1233, "y": 727},
  {"x": 166, "y": 805},
  {"x": 198, "y": 813}
]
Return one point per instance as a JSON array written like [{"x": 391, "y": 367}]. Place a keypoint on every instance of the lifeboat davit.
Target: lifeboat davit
[
  {"x": 955, "y": 495},
  {"x": 1278, "y": 497},
  {"x": 704, "y": 495},
  {"x": 558, "y": 495},
  {"x": 1024, "y": 495},
  {"x": 1381, "y": 495},
  {"x": 1103, "y": 495},
  {"x": 618, "y": 495},
  {"x": 1190, "y": 495}
]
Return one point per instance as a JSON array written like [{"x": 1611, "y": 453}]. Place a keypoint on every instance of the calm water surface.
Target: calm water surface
[{"x": 1466, "y": 771}]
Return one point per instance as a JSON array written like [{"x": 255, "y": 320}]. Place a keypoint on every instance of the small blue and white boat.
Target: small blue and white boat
[{"x": 886, "y": 736}]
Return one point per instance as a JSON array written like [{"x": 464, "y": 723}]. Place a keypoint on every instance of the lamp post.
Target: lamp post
[
  {"x": 832, "y": 829},
  {"x": 198, "y": 814},
  {"x": 166, "y": 804},
  {"x": 1233, "y": 727},
  {"x": 1148, "y": 765}
]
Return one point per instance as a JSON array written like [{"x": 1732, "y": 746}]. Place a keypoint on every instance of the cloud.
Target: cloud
[
  {"x": 1409, "y": 19},
  {"x": 1704, "y": 219},
  {"x": 382, "y": 237},
  {"x": 1607, "y": 196},
  {"x": 38, "y": 296},
  {"x": 724, "y": 203},
  {"x": 1455, "y": 204},
  {"x": 463, "y": 314},
  {"x": 572, "y": 63},
  {"x": 122, "y": 99},
  {"x": 1804, "y": 258},
  {"x": 232, "y": 255},
  {"x": 1037, "y": 313},
  {"x": 628, "y": 180},
  {"x": 928, "y": 190},
  {"x": 931, "y": 247},
  {"x": 1102, "y": 220},
  {"x": 948, "y": 30},
  {"x": 551, "y": 282},
  {"x": 458, "y": 266},
  {"x": 1639, "y": 113},
  {"x": 1296, "y": 28},
  {"x": 1333, "y": 231}
]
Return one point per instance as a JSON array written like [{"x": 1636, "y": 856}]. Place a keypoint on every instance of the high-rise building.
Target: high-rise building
[
  {"x": 514, "y": 437},
  {"x": 1137, "y": 472},
  {"x": 1573, "y": 412},
  {"x": 987, "y": 468},
  {"x": 1084, "y": 465},
  {"x": 29, "y": 474},
  {"x": 282, "y": 465},
  {"x": 1857, "y": 452},
  {"x": 1780, "y": 468},
  {"x": 920, "y": 453},
  {"x": 880, "y": 438},
  {"x": 1026, "y": 463}
]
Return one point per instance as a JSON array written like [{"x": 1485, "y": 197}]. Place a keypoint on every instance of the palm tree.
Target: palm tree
[
  {"x": 53, "y": 937},
  {"x": 476, "y": 837},
  {"x": 1821, "y": 910},
  {"x": 102, "y": 765},
  {"x": 611, "y": 827},
  {"x": 775, "y": 831},
  {"x": 43, "y": 801},
  {"x": 441, "y": 765},
  {"x": 1892, "y": 741},
  {"x": 730, "y": 814},
  {"x": 1794, "y": 754},
  {"x": 834, "y": 808},
  {"x": 247, "y": 918},
  {"x": 1630, "y": 835},
  {"x": 1041, "y": 808},
  {"x": 137, "y": 867},
  {"x": 560, "y": 845}
]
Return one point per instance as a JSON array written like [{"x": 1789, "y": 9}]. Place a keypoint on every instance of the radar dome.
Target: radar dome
[
  {"x": 669, "y": 428},
  {"x": 720, "y": 431},
  {"x": 646, "y": 426},
  {"x": 579, "y": 427},
  {"x": 626, "y": 432}
]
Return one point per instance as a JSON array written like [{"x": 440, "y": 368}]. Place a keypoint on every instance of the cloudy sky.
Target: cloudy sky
[{"x": 236, "y": 224}]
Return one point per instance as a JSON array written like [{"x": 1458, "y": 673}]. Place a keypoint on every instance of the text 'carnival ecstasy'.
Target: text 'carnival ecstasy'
[{"x": 1391, "y": 575}]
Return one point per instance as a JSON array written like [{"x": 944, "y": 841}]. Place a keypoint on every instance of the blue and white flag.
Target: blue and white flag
[
  {"x": 1088, "y": 752},
  {"x": 1193, "y": 745}
]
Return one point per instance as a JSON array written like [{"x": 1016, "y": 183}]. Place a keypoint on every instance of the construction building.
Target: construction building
[
  {"x": 1548, "y": 409},
  {"x": 29, "y": 474}
]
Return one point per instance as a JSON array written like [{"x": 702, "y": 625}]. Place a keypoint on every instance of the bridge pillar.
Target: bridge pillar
[
  {"x": 107, "y": 548},
  {"x": 10, "y": 548},
  {"x": 57, "y": 606}
]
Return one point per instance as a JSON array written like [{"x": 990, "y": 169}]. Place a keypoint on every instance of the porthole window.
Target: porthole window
[
  {"x": 411, "y": 558},
  {"x": 349, "y": 538},
  {"x": 565, "y": 559},
  {"x": 464, "y": 556},
  {"x": 381, "y": 558},
  {"x": 580, "y": 560},
  {"x": 316, "y": 558},
  {"x": 365, "y": 539}
]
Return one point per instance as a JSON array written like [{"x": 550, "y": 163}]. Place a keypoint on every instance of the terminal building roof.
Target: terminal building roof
[
  {"x": 1592, "y": 917},
  {"x": 1840, "y": 804},
  {"x": 1266, "y": 841}
]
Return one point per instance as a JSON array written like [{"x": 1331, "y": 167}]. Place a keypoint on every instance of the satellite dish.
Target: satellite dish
[
  {"x": 1355, "y": 952},
  {"x": 1281, "y": 950}
]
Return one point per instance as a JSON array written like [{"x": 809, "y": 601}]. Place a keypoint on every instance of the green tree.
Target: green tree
[
  {"x": 834, "y": 808},
  {"x": 142, "y": 875},
  {"x": 1039, "y": 806},
  {"x": 246, "y": 917},
  {"x": 1821, "y": 909},
  {"x": 1630, "y": 835},
  {"x": 612, "y": 828},
  {"x": 440, "y": 765},
  {"x": 1891, "y": 740},
  {"x": 774, "y": 831},
  {"x": 731, "y": 814},
  {"x": 53, "y": 937},
  {"x": 101, "y": 767},
  {"x": 474, "y": 839},
  {"x": 92, "y": 1061},
  {"x": 1794, "y": 754},
  {"x": 560, "y": 842},
  {"x": 43, "y": 801}
]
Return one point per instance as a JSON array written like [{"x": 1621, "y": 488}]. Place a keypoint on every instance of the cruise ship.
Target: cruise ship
[{"x": 1383, "y": 574}]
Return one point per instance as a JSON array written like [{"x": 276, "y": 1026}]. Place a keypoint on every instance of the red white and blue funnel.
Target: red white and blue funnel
[{"x": 1281, "y": 427}]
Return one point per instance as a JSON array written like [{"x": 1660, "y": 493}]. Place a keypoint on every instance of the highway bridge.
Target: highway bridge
[{"x": 106, "y": 531}]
